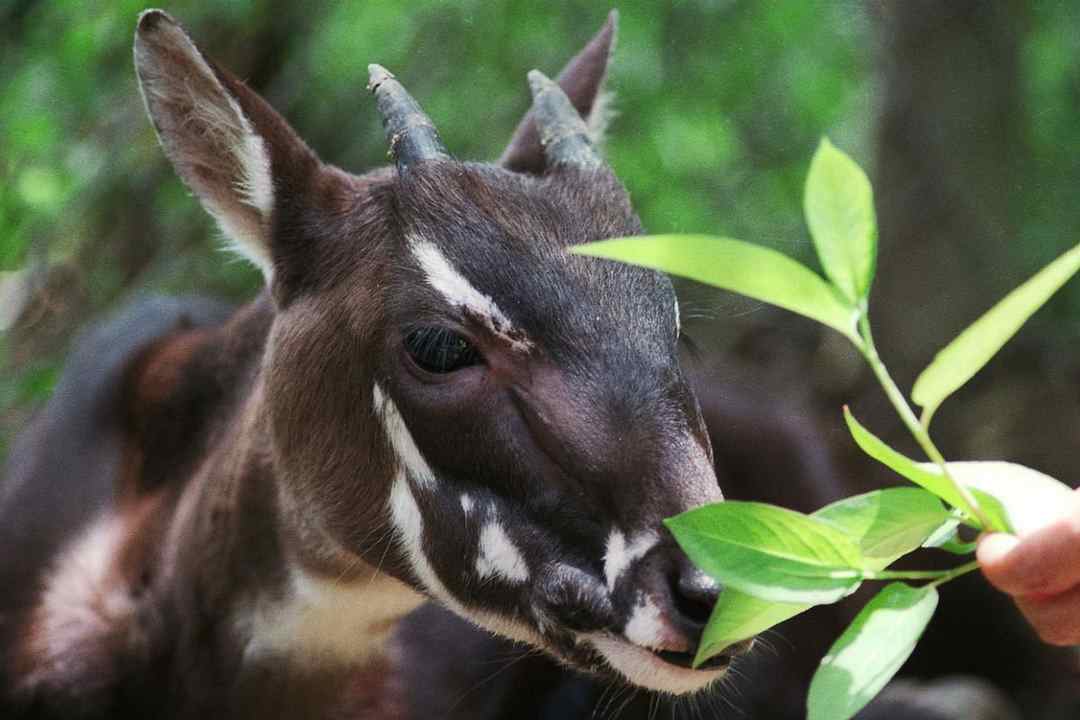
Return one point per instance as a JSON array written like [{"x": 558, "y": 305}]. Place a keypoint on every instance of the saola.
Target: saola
[{"x": 432, "y": 398}]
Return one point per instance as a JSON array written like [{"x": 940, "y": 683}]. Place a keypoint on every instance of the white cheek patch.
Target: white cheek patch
[
  {"x": 407, "y": 520},
  {"x": 409, "y": 523},
  {"x": 459, "y": 292},
  {"x": 499, "y": 557},
  {"x": 620, "y": 555},
  {"x": 402, "y": 440}
]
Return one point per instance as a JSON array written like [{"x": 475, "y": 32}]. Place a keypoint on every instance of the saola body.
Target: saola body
[{"x": 432, "y": 399}]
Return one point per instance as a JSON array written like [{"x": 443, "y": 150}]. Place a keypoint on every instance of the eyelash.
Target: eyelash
[{"x": 440, "y": 350}]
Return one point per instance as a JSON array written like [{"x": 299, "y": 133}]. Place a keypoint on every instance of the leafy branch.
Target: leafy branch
[{"x": 778, "y": 563}]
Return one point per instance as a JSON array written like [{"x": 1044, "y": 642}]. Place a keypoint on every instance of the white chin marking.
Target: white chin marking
[
  {"x": 620, "y": 554},
  {"x": 499, "y": 557},
  {"x": 644, "y": 669}
]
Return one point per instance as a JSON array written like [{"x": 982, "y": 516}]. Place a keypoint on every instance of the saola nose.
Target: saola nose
[
  {"x": 673, "y": 602},
  {"x": 695, "y": 594}
]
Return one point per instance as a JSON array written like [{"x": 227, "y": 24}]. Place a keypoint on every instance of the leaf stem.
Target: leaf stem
[
  {"x": 916, "y": 428},
  {"x": 955, "y": 573},
  {"x": 938, "y": 576}
]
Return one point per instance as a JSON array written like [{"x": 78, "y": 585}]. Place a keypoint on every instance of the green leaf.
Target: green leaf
[
  {"x": 839, "y": 206},
  {"x": 972, "y": 349},
  {"x": 887, "y": 524},
  {"x": 921, "y": 475},
  {"x": 770, "y": 552},
  {"x": 872, "y": 650},
  {"x": 944, "y": 534},
  {"x": 1026, "y": 499},
  {"x": 752, "y": 270},
  {"x": 991, "y": 507},
  {"x": 738, "y": 616}
]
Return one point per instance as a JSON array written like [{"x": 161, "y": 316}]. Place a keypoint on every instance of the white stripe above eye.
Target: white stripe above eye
[{"x": 459, "y": 292}]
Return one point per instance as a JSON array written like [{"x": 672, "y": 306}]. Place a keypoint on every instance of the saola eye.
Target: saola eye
[{"x": 439, "y": 350}]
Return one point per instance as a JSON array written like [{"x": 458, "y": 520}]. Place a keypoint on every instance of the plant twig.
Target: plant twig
[
  {"x": 916, "y": 428},
  {"x": 938, "y": 576}
]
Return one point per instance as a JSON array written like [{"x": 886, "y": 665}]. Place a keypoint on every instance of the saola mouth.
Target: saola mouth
[{"x": 664, "y": 671}]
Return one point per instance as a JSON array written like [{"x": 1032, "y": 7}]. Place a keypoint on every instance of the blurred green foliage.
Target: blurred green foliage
[{"x": 720, "y": 104}]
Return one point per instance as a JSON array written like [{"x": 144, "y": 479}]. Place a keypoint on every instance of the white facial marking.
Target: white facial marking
[
  {"x": 620, "y": 555},
  {"x": 678, "y": 318},
  {"x": 641, "y": 667},
  {"x": 402, "y": 441},
  {"x": 409, "y": 523},
  {"x": 499, "y": 557},
  {"x": 645, "y": 626},
  {"x": 466, "y": 503},
  {"x": 327, "y": 619},
  {"x": 457, "y": 291},
  {"x": 406, "y": 517}
]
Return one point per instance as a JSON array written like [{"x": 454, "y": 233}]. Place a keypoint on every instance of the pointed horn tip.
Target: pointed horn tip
[
  {"x": 149, "y": 20},
  {"x": 377, "y": 75},
  {"x": 539, "y": 82}
]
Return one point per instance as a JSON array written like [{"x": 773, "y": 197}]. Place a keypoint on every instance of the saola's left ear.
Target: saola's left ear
[
  {"x": 583, "y": 82},
  {"x": 227, "y": 144}
]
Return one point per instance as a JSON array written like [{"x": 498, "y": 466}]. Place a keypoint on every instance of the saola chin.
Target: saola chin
[{"x": 433, "y": 398}]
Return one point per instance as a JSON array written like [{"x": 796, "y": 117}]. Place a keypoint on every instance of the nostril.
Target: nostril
[{"x": 695, "y": 595}]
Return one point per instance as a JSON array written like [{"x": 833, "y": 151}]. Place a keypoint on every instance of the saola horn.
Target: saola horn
[
  {"x": 562, "y": 131},
  {"x": 410, "y": 132}
]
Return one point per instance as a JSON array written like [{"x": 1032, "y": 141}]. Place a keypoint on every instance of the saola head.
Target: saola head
[{"x": 450, "y": 394}]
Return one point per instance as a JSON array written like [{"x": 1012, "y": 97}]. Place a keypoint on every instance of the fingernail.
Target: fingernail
[{"x": 995, "y": 546}]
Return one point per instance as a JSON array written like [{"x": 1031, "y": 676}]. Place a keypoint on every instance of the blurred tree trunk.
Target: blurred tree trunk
[
  {"x": 949, "y": 130},
  {"x": 950, "y": 153}
]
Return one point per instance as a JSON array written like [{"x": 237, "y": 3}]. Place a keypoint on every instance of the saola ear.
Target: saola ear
[
  {"x": 583, "y": 82},
  {"x": 227, "y": 144}
]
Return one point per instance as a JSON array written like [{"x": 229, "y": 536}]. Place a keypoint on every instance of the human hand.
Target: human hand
[{"x": 1041, "y": 571}]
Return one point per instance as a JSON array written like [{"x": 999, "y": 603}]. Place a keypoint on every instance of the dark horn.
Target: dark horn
[
  {"x": 562, "y": 131},
  {"x": 410, "y": 132}
]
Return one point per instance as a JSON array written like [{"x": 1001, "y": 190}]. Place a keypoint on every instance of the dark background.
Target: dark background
[{"x": 964, "y": 113}]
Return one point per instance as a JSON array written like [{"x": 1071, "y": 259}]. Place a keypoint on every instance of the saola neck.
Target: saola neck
[{"x": 243, "y": 550}]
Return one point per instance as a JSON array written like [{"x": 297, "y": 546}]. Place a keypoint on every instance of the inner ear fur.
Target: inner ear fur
[
  {"x": 227, "y": 144},
  {"x": 583, "y": 81}
]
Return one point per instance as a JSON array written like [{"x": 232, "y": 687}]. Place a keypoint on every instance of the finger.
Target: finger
[
  {"x": 1056, "y": 619},
  {"x": 1045, "y": 562}
]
